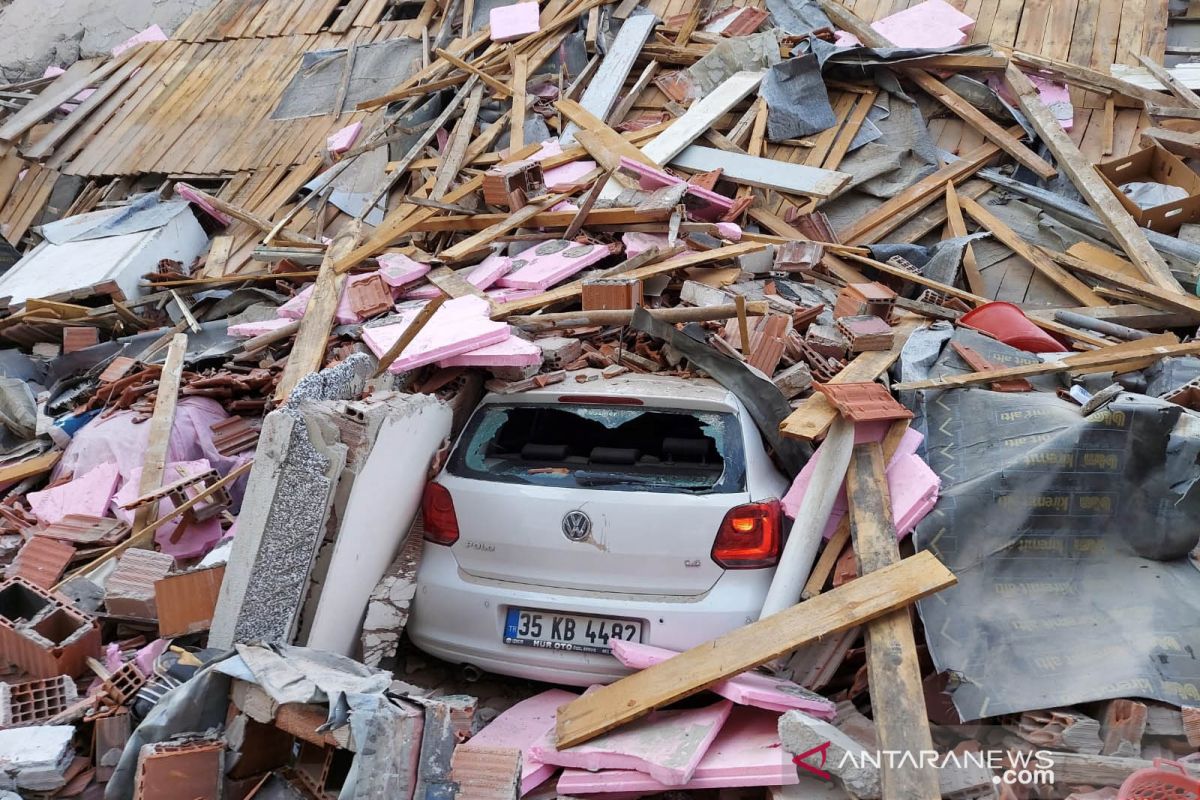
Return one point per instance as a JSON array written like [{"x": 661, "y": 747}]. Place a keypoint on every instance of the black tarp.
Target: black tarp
[{"x": 1069, "y": 536}]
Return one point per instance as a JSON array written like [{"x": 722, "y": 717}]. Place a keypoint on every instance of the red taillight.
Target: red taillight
[
  {"x": 437, "y": 511},
  {"x": 750, "y": 537}
]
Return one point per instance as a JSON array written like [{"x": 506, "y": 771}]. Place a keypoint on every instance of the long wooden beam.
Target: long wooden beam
[
  {"x": 859, "y": 601},
  {"x": 1101, "y": 199}
]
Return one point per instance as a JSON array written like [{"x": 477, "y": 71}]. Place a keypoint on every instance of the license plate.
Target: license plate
[{"x": 554, "y": 631}]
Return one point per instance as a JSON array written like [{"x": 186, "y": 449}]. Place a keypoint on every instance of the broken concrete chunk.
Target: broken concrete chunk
[
  {"x": 35, "y": 759},
  {"x": 822, "y": 746}
]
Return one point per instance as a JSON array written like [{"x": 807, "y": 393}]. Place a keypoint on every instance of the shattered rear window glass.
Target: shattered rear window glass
[{"x": 603, "y": 447}]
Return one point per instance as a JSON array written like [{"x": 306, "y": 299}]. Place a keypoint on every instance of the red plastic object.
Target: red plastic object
[
  {"x": 1166, "y": 780},
  {"x": 1009, "y": 324}
]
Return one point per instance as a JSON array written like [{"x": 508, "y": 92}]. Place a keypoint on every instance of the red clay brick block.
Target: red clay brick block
[
  {"x": 863, "y": 402},
  {"x": 79, "y": 338},
  {"x": 186, "y": 601},
  {"x": 42, "y": 561},
  {"x": 174, "y": 770},
  {"x": 865, "y": 298},
  {"x": 42, "y": 634},
  {"x": 129, "y": 591},
  {"x": 486, "y": 773},
  {"x": 35, "y": 702}
]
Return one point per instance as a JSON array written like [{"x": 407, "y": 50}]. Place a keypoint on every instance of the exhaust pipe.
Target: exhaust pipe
[{"x": 471, "y": 673}]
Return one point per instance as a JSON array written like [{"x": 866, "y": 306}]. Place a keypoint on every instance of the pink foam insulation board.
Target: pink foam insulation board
[
  {"x": 151, "y": 34},
  {"x": 397, "y": 269},
  {"x": 931, "y": 24},
  {"x": 481, "y": 276},
  {"x": 667, "y": 745},
  {"x": 913, "y": 486},
  {"x": 459, "y": 326},
  {"x": 747, "y": 689},
  {"x": 343, "y": 139},
  {"x": 1054, "y": 96},
  {"x": 513, "y": 22},
  {"x": 189, "y": 194},
  {"x": 522, "y": 726},
  {"x": 345, "y": 315},
  {"x": 248, "y": 329},
  {"x": 703, "y": 203},
  {"x": 746, "y": 752},
  {"x": 197, "y": 538},
  {"x": 88, "y": 494},
  {"x": 512, "y": 352},
  {"x": 548, "y": 263},
  {"x": 508, "y": 295},
  {"x": 564, "y": 177}
]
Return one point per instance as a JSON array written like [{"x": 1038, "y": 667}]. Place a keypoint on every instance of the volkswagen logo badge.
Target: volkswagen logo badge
[{"x": 576, "y": 526}]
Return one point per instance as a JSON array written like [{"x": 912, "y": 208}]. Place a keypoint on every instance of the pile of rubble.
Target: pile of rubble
[{"x": 258, "y": 275}]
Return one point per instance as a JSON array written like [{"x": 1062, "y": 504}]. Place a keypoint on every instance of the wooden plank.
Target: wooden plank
[
  {"x": 46, "y": 143},
  {"x": 857, "y": 602},
  {"x": 520, "y": 76},
  {"x": 1102, "y": 201},
  {"x": 1103, "y": 360},
  {"x": 460, "y": 140},
  {"x": 897, "y": 696},
  {"x": 1085, "y": 77},
  {"x": 500, "y": 88},
  {"x": 606, "y": 85},
  {"x": 1180, "y": 143},
  {"x": 309, "y": 348},
  {"x": 1109, "y": 122},
  {"x": 473, "y": 244},
  {"x": 764, "y": 173},
  {"x": 893, "y": 213},
  {"x": 27, "y": 468},
  {"x": 845, "y": 136},
  {"x": 1013, "y": 241},
  {"x": 1174, "y": 300},
  {"x": 958, "y": 227},
  {"x": 575, "y": 289},
  {"x": 1173, "y": 84},
  {"x": 601, "y": 142},
  {"x": 77, "y": 77},
  {"x": 166, "y": 396},
  {"x": 977, "y": 120},
  {"x": 701, "y": 116}
]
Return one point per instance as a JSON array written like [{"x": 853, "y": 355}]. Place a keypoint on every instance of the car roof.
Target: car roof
[{"x": 660, "y": 390}]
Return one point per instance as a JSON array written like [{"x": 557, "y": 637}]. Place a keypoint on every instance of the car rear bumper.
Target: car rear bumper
[{"x": 460, "y": 619}]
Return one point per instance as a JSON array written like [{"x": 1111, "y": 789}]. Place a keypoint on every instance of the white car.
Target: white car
[{"x": 637, "y": 508}]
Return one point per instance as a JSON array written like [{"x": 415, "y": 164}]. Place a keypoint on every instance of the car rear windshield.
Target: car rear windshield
[{"x": 603, "y": 447}]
